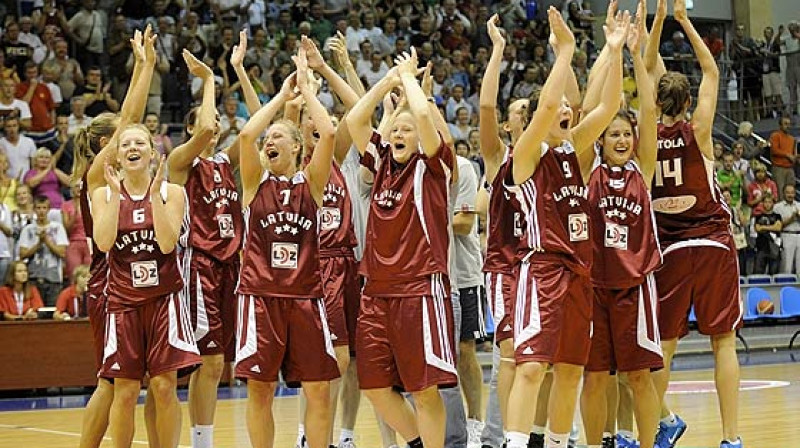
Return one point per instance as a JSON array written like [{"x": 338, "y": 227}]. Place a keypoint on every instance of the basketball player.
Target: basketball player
[
  {"x": 506, "y": 222},
  {"x": 92, "y": 145},
  {"x": 211, "y": 247},
  {"x": 553, "y": 309},
  {"x": 626, "y": 252},
  {"x": 700, "y": 261},
  {"x": 406, "y": 326},
  {"x": 282, "y": 323}
]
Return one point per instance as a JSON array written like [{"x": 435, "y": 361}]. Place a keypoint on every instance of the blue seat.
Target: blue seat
[
  {"x": 692, "y": 315},
  {"x": 755, "y": 295},
  {"x": 790, "y": 307},
  {"x": 742, "y": 280},
  {"x": 759, "y": 279},
  {"x": 784, "y": 278}
]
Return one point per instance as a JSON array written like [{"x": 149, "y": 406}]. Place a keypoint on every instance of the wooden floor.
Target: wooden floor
[{"x": 768, "y": 418}]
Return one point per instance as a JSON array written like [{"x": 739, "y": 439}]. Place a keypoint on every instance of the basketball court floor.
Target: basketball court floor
[{"x": 769, "y": 417}]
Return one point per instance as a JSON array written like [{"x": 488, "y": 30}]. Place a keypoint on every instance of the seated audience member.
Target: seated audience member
[
  {"x": 78, "y": 118},
  {"x": 44, "y": 244},
  {"x": 45, "y": 179},
  {"x": 8, "y": 186},
  {"x": 757, "y": 189},
  {"x": 18, "y": 148},
  {"x": 78, "y": 249},
  {"x": 71, "y": 303},
  {"x": 767, "y": 226},
  {"x": 19, "y": 298}
]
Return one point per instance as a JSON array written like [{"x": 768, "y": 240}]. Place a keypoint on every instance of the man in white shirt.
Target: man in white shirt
[
  {"x": 790, "y": 234},
  {"x": 376, "y": 71},
  {"x": 26, "y": 35},
  {"x": 10, "y": 105},
  {"x": 455, "y": 102},
  {"x": 78, "y": 119},
  {"x": 18, "y": 148},
  {"x": 43, "y": 244},
  {"x": 229, "y": 124}
]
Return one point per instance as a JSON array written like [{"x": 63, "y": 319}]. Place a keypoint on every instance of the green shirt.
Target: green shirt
[{"x": 733, "y": 181}]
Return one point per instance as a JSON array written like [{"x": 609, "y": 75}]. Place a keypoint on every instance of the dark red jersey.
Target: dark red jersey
[
  {"x": 281, "y": 247},
  {"x": 408, "y": 229},
  {"x": 686, "y": 197},
  {"x": 215, "y": 225},
  {"x": 623, "y": 227},
  {"x": 336, "y": 216},
  {"x": 137, "y": 269},
  {"x": 98, "y": 270},
  {"x": 505, "y": 222},
  {"x": 556, "y": 206}
]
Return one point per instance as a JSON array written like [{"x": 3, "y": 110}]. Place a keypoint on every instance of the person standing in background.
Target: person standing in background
[
  {"x": 784, "y": 154},
  {"x": 789, "y": 210}
]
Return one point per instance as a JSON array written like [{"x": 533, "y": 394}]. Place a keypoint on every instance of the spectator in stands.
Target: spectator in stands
[
  {"x": 166, "y": 41},
  {"x": 71, "y": 302},
  {"x": 789, "y": 210},
  {"x": 43, "y": 244},
  {"x": 580, "y": 65},
  {"x": 65, "y": 152},
  {"x": 254, "y": 10},
  {"x": 50, "y": 79},
  {"x": 376, "y": 71},
  {"x": 510, "y": 13},
  {"x": 738, "y": 230},
  {"x": 161, "y": 142},
  {"x": 119, "y": 50},
  {"x": 48, "y": 49},
  {"x": 19, "y": 298},
  {"x": 10, "y": 105},
  {"x": 17, "y": 52},
  {"x": 753, "y": 147},
  {"x": 783, "y": 154},
  {"x": 426, "y": 33},
  {"x": 719, "y": 151},
  {"x": 321, "y": 27},
  {"x": 791, "y": 46},
  {"x": 461, "y": 128},
  {"x": 77, "y": 249},
  {"x": 6, "y": 239},
  {"x": 7, "y": 72},
  {"x": 364, "y": 61},
  {"x": 771, "y": 73},
  {"x": 767, "y": 225},
  {"x": 760, "y": 187},
  {"x": 455, "y": 102},
  {"x": 17, "y": 147},
  {"x": 43, "y": 109},
  {"x": 96, "y": 94},
  {"x": 384, "y": 43},
  {"x": 26, "y": 34},
  {"x": 731, "y": 179},
  {"x": 741, "y": 164},
  {"x": 86, "y": 29},
  {"x": 221, "y": 53},
  {"x": 23, "y": 215},
  {"x": 230, "y": 124},
  {"x": 528, "y": 84},
  {"x": 744, "y": 53},
  {"x": 154, "y": 100},
  {"x": 78, "y": 118},
  {"x": 447, "y": 15},
  {"x": 45, "y": 179},
  {"x": 70, "y": 75},
  {"x": 679, "y": 54},
  {"x": 714, "y": 43},
  {"x": 8, "y": 186}
]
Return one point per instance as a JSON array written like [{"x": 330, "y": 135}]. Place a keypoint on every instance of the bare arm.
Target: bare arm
[
  {"x": 492, "y": 148},
  {"x": 105, "y": 211},
  {"x": 338, "y": 85},
  {"x": 237, "y": 60},
  {"x": 359, "y": 120},
  {"x": 418, "y": 103},
  {"x": 646, "y": 151},
  {"x": 167, "y": 214},
  {"x": 339, "y": 50},
  {"x": 652, "y": 59},
  {"x": 180, "y": 160}
]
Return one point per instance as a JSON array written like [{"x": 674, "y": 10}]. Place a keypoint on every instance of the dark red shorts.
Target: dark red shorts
[
  {"x": 501, "y": 293},
  {"x": 406, "y": 343},
  {"x": 153, "y": 338},
  {"x": 705, "y": 273},
  {"x": 552, "y": 313},
  {"x": 625, "y": 336},
  {"x": 96, "y": 310},
  {"x": 210, "y": 287},
  {"x": 290, "y": 336},
  {"x": 342, "y": 296}
]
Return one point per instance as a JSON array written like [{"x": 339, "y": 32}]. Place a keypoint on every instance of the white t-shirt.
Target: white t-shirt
[
  {"x": 21, "y": 106},
  {"x": 44, "y": 263},
  {"x": 19, "y": 155},
  {"x": 467, "y": 263}
]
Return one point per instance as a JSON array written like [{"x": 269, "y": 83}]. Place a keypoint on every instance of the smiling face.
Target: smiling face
[
  {"x": 281, "y": 146},
  {"x": 20, "y": 272},
  {"x": 42, "y": 160},
  {"x": 617, "y": 142},
  {"x": 23, "y": 195},
  {"x": 403, "y": 137},
  {"x": 135, "y": 150}
]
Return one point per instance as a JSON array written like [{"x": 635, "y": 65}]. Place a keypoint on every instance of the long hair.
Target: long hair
[
  {"x": 87, "y": 142},
  {"x": 673, "y": 93},
  {"x": 26, "y": 287}
]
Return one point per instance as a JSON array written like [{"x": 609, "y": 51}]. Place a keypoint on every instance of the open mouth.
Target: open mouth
[
  {"x": 621, "y": 149},
  {"x": 272, "y": 154},
  {"x": 315, "y": 134},
  {"x": 564, "y": 124},
  {"x": 134, "y": 157},
  {"x": 399, "y": 146}
]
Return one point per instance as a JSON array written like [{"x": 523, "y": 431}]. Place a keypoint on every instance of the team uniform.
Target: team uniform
[
  {"x": 626, "y": 252},
  {"x": 98, "y": 275},
  {"x": 505, "y": 229},
  {"x": 147, "y": 326},
  {"x": 553, "y": 308},
  {"x": 405, "y": 329},
  {"x": 282, "y": 324},
  {"x": 700, "y": 259},
  {"x": 211, "y": 253},
  {"x": 338, "y": 265}
]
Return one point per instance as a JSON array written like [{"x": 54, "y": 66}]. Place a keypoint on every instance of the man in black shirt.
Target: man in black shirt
[
  {"x": 96, "y": 94},
  {"x": 767, "y": 225}
]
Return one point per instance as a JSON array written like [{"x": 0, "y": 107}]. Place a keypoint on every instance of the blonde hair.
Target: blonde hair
[
  {"x": 294, "y": 133},
  {"x": 673, "y": 93},
  {"x": 87, "y": 142},
  {"x": 79, "y": 270},
  {"x": 745, "y": 128},
  {"x": 42, "y": 151}
]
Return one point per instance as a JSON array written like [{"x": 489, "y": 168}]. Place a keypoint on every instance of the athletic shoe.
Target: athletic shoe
[
  {"x": 347, "y": 443},
  {"x": 668, "y": 434},
  {"x": 536, "y": 441},
  {"x": 474, "y": 430},
  {"x": 624, "y": 442},
  {"x": 302, "y": 443},
  {"x": 608, "y": 442},
  {"x": 736, "y": 444}
]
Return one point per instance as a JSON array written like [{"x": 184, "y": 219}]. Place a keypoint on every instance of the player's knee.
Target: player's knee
[
  {"x": 212, "y": 367},
  {"x": 723, "y": 340},
  {"x": 639, "y": 379},
  {"x": 595, "y": 382},
  {"x": 531, "y": 371},
  {"x": 317, "y": 391},
  {"x": 163, "y": 387},
  {"x": 427, "y": 398},
  {"x": 507, "y": 348},
  {"x": 260, "y": 392}
]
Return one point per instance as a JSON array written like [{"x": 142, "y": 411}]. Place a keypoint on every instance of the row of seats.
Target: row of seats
[
  {"x": 765, "y": 279},
  {"x": 789, "y": 304}
]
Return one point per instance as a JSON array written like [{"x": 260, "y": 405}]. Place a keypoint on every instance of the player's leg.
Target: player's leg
[
  {"x": 469, "y": 371},
  {"x": 95, "y": 416},
  {"x": 492, "y": 435},
  {"x": 318, "y": 413},
  {"x": 527, "y": 378},
  {"x": 726, "y": 379},
  {"x": 260, "y": 422},
  {"x": 168, "y": 412},
  {"x": 594, "y": 405},
  {"x": 203, "y": 399},
  {"x": 350, "y": 395},
  {"x": 150, "y": 420},
  {"x": 645, "y": 405},
  {"x": 121, "y": 419},
  {"x": 540, "y": 419},
  {"x": 395, "y": 411},
  {"x": 612, "y": 406},
  {"x": 343, "y": 362},
  {"x": 388, "y": 435},
  {"x": 431, "y": 416},
  {"x": 350, "y": 398},
  {"x": 563, "y": 398},
  {"x": 624, "y": 411},
  {"x": 661, "y": 377},
  {"x": 594, "y": 395},
  {"x": 455, "y": 428}
]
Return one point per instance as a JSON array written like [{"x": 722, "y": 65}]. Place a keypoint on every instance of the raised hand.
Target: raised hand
[
  {"x": 611, "y": 14},
  {"x": 138, "y": 47},
  {"x": 149, "y": 42},
  {"x": 197, "y": 67},
  {"x": 561, "y": 34},
  {"x": 288, "y": 89},
  {"x": 238, "y": 52},
  {"x": 427, "y": 79},
  {"x": 112, "y": 177},
  {"x": 407, "y": 63},
  {"x": 494, "y": 32},
  {"x": 338, "y": 47},
  {"x": 616, "y": 38},
  {"x": 301, "y": 62},
  {"x": 635, "y": 34},
  {"x": 661, "y": 9},
  {"x": 313, "y": 56},
  {"x": 680, "y": 10},
  {"x": 158, "y": 179}
]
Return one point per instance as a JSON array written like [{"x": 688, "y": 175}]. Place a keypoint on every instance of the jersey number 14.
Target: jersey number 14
[{"x": 670, "y": 168}]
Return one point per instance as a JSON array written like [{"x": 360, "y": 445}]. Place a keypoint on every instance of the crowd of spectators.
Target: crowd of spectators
[{"x": 64, "y": 62}]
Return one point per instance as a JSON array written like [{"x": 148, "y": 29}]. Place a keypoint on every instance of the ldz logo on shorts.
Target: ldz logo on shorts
[{"x": 284, "y": 255}]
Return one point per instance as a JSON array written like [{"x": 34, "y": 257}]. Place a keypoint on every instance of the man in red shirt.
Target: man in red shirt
[
  {"x": 41, "y": 104},
  {"x": 715, "y": 45},
  {"x": 783, "y": 152}
]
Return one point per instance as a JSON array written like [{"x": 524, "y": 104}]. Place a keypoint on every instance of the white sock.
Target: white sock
[
  {"x": 670, "y": 419},
  {"x": 516, "y": 439},
  {"x": 607, "y": 435},
  {"x": 556, "y": 440},
  {"x": 627, "y": 434},
  {"x": 538, "y": 429},
  {"x": 345, "y": 434},
  {"x": 203, "y": 436},
  {"x": 194, "y": 436}
]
